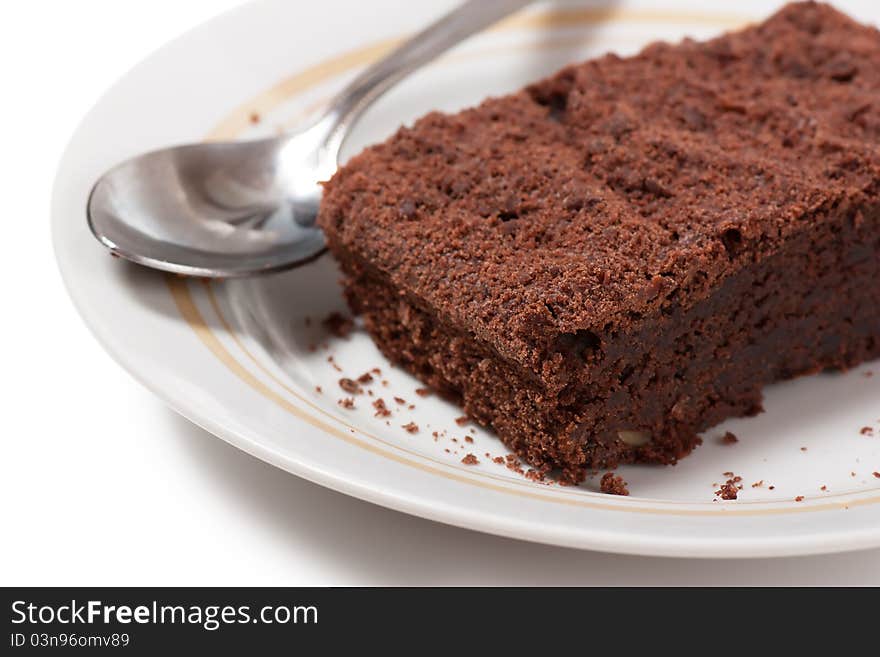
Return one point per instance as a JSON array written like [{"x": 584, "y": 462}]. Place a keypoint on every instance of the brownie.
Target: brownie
[{"x": 610, "y": 261}]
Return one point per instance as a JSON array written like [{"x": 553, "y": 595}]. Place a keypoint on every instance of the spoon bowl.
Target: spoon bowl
[{"x": 216, "y": 209}]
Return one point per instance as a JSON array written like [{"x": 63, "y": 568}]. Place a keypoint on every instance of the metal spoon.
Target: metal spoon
[{"x": 241, "y": 208}]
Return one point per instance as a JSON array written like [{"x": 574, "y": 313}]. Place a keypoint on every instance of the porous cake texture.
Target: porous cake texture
[{"x": 616, "y": 258}]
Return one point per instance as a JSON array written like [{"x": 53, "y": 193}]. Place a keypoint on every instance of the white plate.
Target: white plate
[{"x": 234, "y": 357}]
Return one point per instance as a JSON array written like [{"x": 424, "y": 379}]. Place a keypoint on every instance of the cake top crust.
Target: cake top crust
[{"x": 542, "y": 220}]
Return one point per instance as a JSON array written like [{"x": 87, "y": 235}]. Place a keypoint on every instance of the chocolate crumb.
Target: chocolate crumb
[
  {"x": 876, "y": 474},
  {"x": 381, "y": 408},
  {"x": 538, "y": 475},
  {"x": 612, "y": 484},
  {"x": 461, "y": 421},
  {"x": 318, "y": 389},
  {"x": 400, "y": 400},
  {"x": 771, "y": 488},
  {"x": 338, "y": 324},
  {"x": 351, "y": 387},
  {"x": 470, "y": 459},
  {"x": 803, "y": 449},
  {"x": 758, "y": 484},
  {"x": 468, "y": 439},
  {"x": 513, "y": 464},
  {"x": 866, "y": 431},
  {"x": 498, "y": 459},
  {"x": 254, "y": 118},
  {"x": 730, "y": 489},
  {"x": 366, "y": 377},
  {"x": 333, "y": 362},
  {"x": 729, "y": 438},
  {"x": 411, "y": 427},
  {"x": 346, "y": 402},
  {"x": 799, "y": 498},
  {"x": 823, "y": 488},
  {"x": 423, "y": 392}
]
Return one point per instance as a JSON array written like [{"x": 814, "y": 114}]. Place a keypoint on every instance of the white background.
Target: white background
[{"x": 101, "y": 484}]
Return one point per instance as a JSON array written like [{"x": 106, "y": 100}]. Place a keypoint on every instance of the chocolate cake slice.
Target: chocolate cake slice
[{"x": 610, "y": 261}]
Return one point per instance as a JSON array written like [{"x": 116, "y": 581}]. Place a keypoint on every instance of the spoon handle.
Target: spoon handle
[{"x": 468, "y": 18}]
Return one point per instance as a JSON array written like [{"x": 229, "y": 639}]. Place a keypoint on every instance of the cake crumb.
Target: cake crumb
[
  {"x": 803, "y": 449},
  {"x": 470, "y": 459},
  {"x": 729, "y": 438},
  {"x": 729, "y": 490},
  {"x": 338, "y": 324},
  {"x": 513, "y": 464},
  {"x": 823, "y": 488},
  {"x": 400, "y": 400},
  {"x": 498, "y": 459},
  {"x": 758, "y": 484},
  {"x": 318, "y": 389},
  {"x": 799, "y": 498},
  {"x": 612, "y": 484},
  {"x": 876, "y": 474},
  {"x": 346, "y": 402},
  {"x": 423, "y": 392},
  {"x": 866, "y": 431},
  {"x": 468, "y": 439},
  {"x": 333, "y": 362},
  {"x": 462, "y": 420},
  {"x": 366, "y": 377},
  {"x": 350, "y": 386},
  {"x": 411, "y": 427},
  {"x": 255, "y": 118},
  {"x": 538, "y": 476},
  {"x": 381, "y": 408}
]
